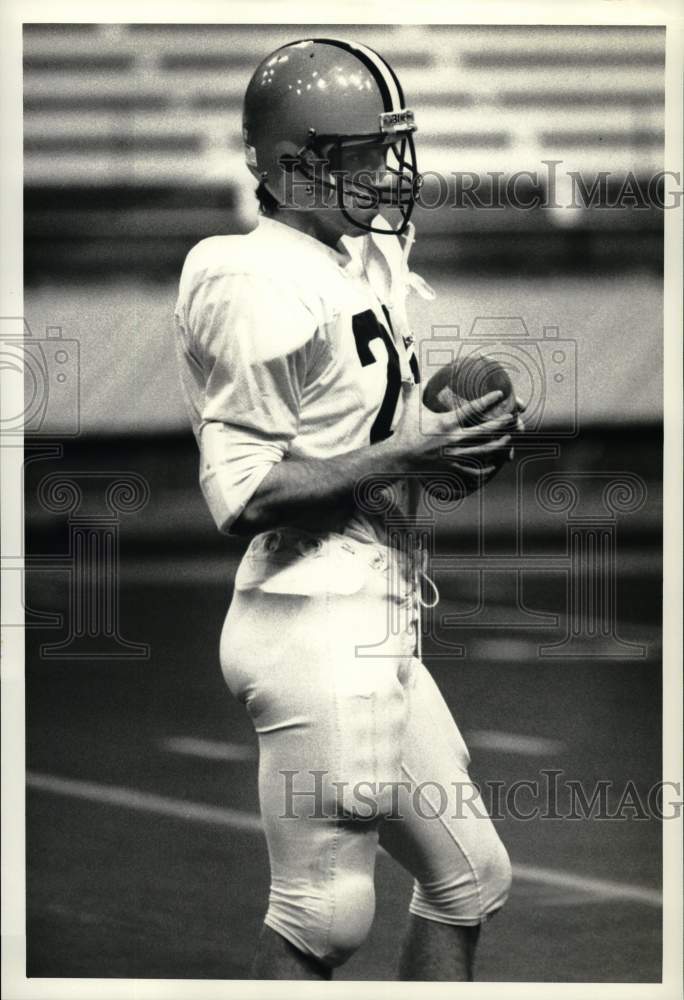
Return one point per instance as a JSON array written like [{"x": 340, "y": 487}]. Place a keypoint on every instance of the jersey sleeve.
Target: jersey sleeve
[{"x": 254, "y": 340}]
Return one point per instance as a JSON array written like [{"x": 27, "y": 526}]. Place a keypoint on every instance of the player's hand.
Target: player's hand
[
  {"x": 449, "y": 401},
  {"x": 461, "y": 439},
  {"x": 519, "y": 428}
]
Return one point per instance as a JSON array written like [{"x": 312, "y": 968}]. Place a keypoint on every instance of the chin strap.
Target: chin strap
[
  {"x": 410, "y": 278},
  {"x": 400, "y": 278},
  {"x": 420, "y": 575},
  {"x": 385, "y": 261}
]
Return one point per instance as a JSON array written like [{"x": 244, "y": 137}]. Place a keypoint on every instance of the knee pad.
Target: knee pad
[
  {"x": 328, "y": 922},
  {"x": 469, "y": 893}
]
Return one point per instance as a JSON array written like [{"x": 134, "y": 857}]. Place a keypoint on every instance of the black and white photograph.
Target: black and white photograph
[{"x": 341, "y": 447}]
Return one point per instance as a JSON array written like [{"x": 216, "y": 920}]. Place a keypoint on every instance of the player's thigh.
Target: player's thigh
[
  {"x": 330, "y": 718},
  {"x": 325, "y": 725}
]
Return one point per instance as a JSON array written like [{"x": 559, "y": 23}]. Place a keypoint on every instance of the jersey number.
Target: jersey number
[{"x": 366, "y": 328}]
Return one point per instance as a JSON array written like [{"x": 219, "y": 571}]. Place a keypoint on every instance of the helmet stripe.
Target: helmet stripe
[
  {"x": 388, "y": 76},
  {"x": 390, "y": 91}
]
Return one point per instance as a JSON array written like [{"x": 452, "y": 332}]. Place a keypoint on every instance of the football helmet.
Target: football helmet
[{"x": 313, "y": 106}]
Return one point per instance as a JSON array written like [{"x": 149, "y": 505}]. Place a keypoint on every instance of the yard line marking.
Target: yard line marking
[
  {"x": 208, "y": 749},
  {"x": 587, "y": 884},
  {"x": 528, "y": 746},
  {"x": 565, "y": 899},
  {"x": 505, "y": 649},
  {"x": 111, "y": 795},
  {"x": 237, "y": 819}
]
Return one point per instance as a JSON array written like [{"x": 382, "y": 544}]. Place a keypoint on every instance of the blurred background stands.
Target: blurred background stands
[{"x": 133, "y": 138}]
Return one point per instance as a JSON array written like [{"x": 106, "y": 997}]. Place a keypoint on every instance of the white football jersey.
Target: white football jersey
[{"x": 290, "y": 349}]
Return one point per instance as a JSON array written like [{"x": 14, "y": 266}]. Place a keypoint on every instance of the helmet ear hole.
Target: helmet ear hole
[
  {"x": 317, "y": 156},
  {"x": 287, "y": 162},
  {"x": 285, "y": 148},
  {"x": 286, "y": 157}
]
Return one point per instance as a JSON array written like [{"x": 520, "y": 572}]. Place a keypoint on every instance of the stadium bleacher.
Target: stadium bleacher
[{"x": 133, "y": 141}]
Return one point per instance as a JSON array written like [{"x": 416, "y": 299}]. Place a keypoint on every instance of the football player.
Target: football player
[{"x": 300, "y": 377}]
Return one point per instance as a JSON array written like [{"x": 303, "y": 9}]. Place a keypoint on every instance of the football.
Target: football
[{"x": 469, "y": 378}]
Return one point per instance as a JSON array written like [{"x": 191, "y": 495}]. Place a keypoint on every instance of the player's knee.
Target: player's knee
[
  {"x": 354, "y": 909},
  {"x": 331, "y": 923},
  {"x": 467, "y": 894},
  {"x": 496, "y": 877}
]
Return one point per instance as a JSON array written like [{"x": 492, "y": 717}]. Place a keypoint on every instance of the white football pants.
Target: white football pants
[{"x": 356, "y": 744}]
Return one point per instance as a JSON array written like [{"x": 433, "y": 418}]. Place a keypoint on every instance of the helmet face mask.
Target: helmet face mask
[
  {"x": 325, "y": 128},
  {"x": 366, "y": 173}
]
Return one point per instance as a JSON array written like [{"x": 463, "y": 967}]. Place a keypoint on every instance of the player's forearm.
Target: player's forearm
[{"x": 301, "y": 492}]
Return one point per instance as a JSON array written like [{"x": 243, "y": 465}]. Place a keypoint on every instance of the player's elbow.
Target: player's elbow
[{"x": 256, "y": 516}]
